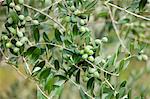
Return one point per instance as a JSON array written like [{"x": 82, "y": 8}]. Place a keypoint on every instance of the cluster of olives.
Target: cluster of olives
[
  {"x": 92, "y": 72},
  {"x": 15, "y": 38},
  {"x": 78, "y": 17},
  {"x": 142, "y": 56},
  {"x": 87, "y": 53},
  {"x": 21, "y": 17}
]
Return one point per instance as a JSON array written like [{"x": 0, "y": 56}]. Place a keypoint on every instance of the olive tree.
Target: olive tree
[{"x": 53, "y": 41}]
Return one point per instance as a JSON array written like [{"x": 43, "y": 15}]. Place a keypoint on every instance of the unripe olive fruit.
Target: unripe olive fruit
[
  {"x": 82, "y": 22},
  {"x": 35, "y": 22},
  {"x": 87, "y": 29},
  {"x": 104, "y": 39},
  {"x": 18, "y": 44},
  {"x": 21, "y": 17},
  {"x": 91, "y": 58},
  {"x": 144, "y": 57},
  {"x": 20, "y": 34},
  {"x": 98, "y": 41},
  {"x": 140, "y": 57},
  {"x": 18, "y": 8},
  {"x": 77, "y": 12},
  {"x": 24, "y": 39},
  {"x": 92, "y": 70},
  {"x": 82, "y": 52},
  {"x": 21, "y": 1},
  {"x": 4, "y": 37},
  {"x": 72, "y": 8},
  {"x": 67, "y": 18},
  {"x": 96, "y": 74},
  {"x": 10, "y": 20},
  {"x": 103, "y": 61},
  {"x": 85, "y": 56},
  {"x": 12, "y": 30},
  {"x": 73, "y": 19},
  {"x": 85, "y": 79},
  {"x": 12, "y": 4},
  {"x": 88, "y": 48},
  {"x": 9, "y": 45},
  {"x": 28, "y": 18},
  {"x": 23, "y": 22},
  {"x": 16, "y": 49},
  {"x": 82, "y": 29},
  {"x": 90, "y": 52}
]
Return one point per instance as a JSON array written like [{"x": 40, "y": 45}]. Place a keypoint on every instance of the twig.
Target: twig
[
  {"x": 53, "y": 45},
  {"x": 27, "y": 66},
  {"x": 30, "y": 7},
  {"x": 102, "y": 69},
  {"x": 136, "y": 15},
  {"x": 42, "y": 91},
  {"x": 116, "y": 30},
  {"x": 79, "y": 87},
  {"x": 49, "y": 6},
  {"x": 109, "y": 84},
  {"x": 3, "y": 54}
]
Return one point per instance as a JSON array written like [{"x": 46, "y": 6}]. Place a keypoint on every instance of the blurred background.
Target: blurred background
[{"x": 14, "y": 86}]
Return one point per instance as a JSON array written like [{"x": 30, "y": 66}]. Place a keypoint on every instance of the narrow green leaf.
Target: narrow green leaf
[
  {"x": 58, "y": 35},
  {"x": 90, "y": 83},
  {"x": 123, "y": 84},
  {"x": 56, "y": 64},
  {"x": 83, "y": 95},
  {"x": 14, "y": 16},
  {"x": 78, "y": 76},
  {"x": 36, "y": 34},
  {"x": 35, "y": 54},
  {"x": 45, "y": 73},
  {"x": 142, "y": 4}
]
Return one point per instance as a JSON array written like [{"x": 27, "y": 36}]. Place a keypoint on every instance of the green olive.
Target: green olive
[
  {"x": 77, "y": 12},
  {"x": 85, "y": 79},
  {"x": 35, "y": 22},
  {"x": 91, "y": 58},
  {"x": 69, "y": 3},
  {"x": 90, "y": 52},
  {"x": 88, "y": 48},
  {"x": 73, "y": 19},
  {"x": 82, "y": 52},
  {"x": 21, "y": 17},
  {"x": 144, "y": 57},
  {"x": 96, "y": 74},
  {"x": 23, "y": 22},
  {"x": 21, "y": 1},
  {"x": 12, "y": 30},
  {"x": 16, "y": 49},
  {"x": 92, "y": 70},
  {"x": 105, "y": 39},
  {"x": 82, "y": 29},
  {"x": 87, "y": 29},
  {"x": 12, "y": 4},
  {"x": 98, "y": 41},
  {"x": 18, "y": 8},
  {"x": 82, "y": 22},
  {"x": 72, "y": 8},
  {"x": 28, "y": 18},
  {"x": 85, "y": 56},
  {"x": 18, "y": 44},
  {"x": 24, "y": 39},
  {"x": 20, "y": 34},
  {"x": 67, "y": 18},
  {"x": 10, "y": 20},
  {"x": 103, "y": 61},
  {"x": 9, "y": 45},
  {"x": 4, "y": 37}
]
